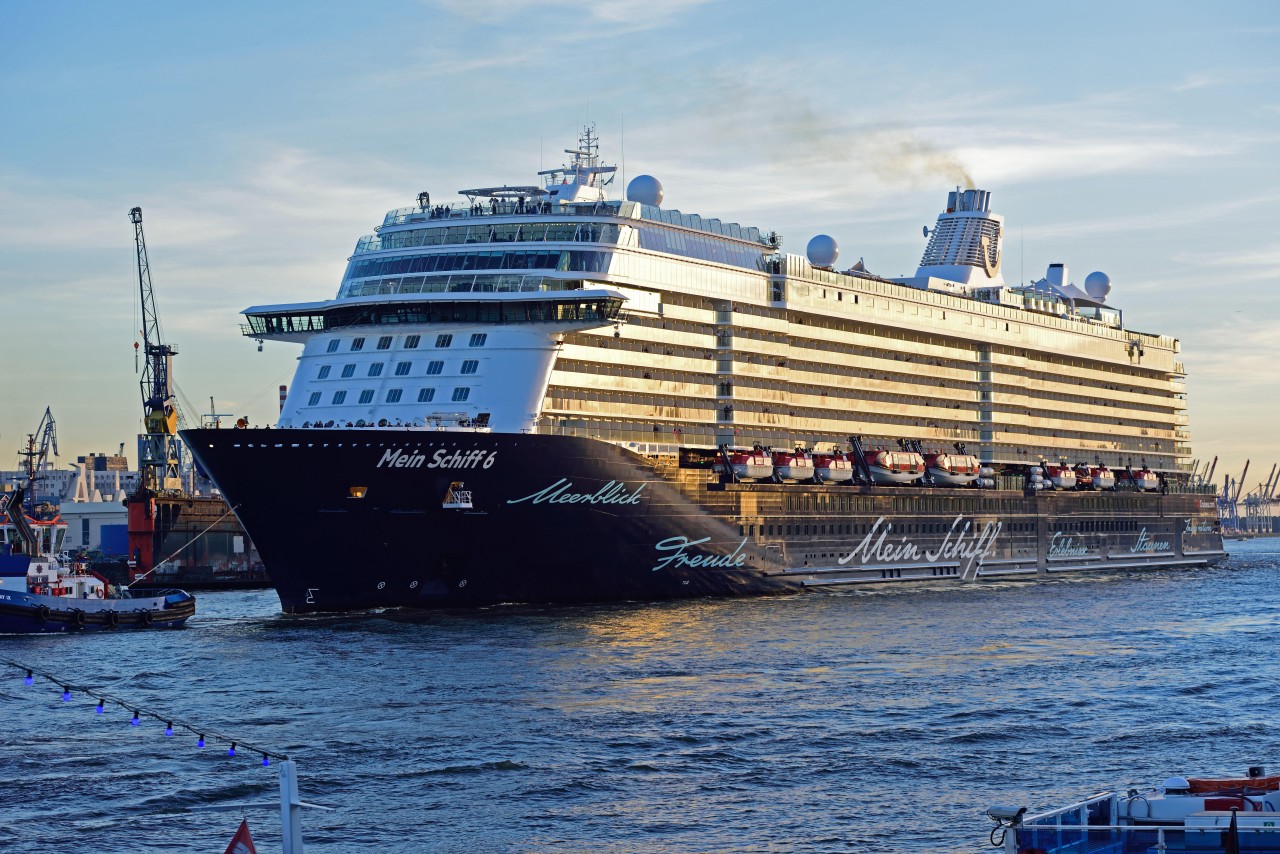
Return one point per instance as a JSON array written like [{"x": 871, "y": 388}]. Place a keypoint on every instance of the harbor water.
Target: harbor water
[{"x": 863, "y": 721}]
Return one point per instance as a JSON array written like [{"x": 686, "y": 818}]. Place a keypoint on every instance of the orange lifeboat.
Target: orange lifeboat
[
  {"x": 1062, "y": 477},
  {"x": 793, "y": 465},
  {"x": 953, "y": 469},
  {"x": 833, "y": 468},
  {"x": 755, "y": 464},
  {"x": 895, "y": 466}
]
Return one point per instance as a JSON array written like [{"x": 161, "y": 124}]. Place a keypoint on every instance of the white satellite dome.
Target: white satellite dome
[
  {"x": 1098, "y": 285},
  {"x": 645, "y": 189},
  {"x": 822, "y": 250}
]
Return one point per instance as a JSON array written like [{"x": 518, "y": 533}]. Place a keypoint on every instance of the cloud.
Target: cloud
[{"x": 624, "y": 14}]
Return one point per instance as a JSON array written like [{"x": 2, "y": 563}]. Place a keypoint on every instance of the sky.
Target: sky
[{"x": 262, "y": 140}]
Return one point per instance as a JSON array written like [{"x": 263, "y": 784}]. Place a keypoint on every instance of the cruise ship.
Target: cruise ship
[{"x": 542, "y": 394}]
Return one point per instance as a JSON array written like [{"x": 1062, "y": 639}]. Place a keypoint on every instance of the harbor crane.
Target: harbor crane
[
  {"x": 1235, "y": 497},
  {"x": 159, "y": 449},
  {"x": 22, "y": 501},
  {"x": 1257, "y": 505},
  {"x": 36, "y": 453}
]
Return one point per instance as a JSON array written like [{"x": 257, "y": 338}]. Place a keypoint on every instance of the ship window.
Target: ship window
[
  {"x": 375, "y": 370},
  {"x": 334, "y": 344},
  {"x": 384, "y": 343},
  {"x": 478, "y": 339},
  {"x": 460, "y": 394},
  {"x": 426, "y": 395},
  {"x": 402, "y": 369},
  {"x": 470, "y": 366},
  {"x": 324, "y": 372},
  {"x": 434, "y": 368},
  {"x": 315, "y": 399},
  {"x": 357, "y": 343},
  {"x": 339, "y": 397},
  {"x": 348, "y": 371},
  {"x": 444, "y": 340},
  {"x": 411, "y": 342},
  {"x": 393, "y": 395},
  {"x": 366, "y": 396}
]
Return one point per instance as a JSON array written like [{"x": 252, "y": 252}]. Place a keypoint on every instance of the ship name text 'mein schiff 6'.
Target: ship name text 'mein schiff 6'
[{"x": 542, "y": 394}]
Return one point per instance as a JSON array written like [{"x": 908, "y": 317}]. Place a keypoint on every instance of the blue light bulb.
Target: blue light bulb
[
  {"x": 101, "y": 708},
  {"x": 200, "y": 741},
  {"x": 168, "y": 729},
  {"x": 265, "y": 761},
  {"x": 231, "y": 751},
  {"x": 66, "y": 695},
  {"x": 30, "y": 680},
  {"x": 135, "y": 721}
]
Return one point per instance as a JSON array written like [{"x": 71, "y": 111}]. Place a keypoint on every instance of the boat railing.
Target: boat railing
[
  {"x": 1090, "y": 827},
  {"x": 528, "y": 207}
]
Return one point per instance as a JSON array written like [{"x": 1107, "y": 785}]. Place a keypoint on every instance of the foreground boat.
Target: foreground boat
[
  {"x": 647, "y": 404},
  {"x": 1208, "y": 815},
  {"x": 40, "y": 593}
]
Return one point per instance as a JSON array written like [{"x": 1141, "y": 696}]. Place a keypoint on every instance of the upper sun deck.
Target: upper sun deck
[{"x": 435, "y": 220}]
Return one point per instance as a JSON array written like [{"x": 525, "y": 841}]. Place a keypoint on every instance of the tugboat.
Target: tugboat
[
  {"x": 42, "y": 592},
  {"x": 1207, "y": 815}
]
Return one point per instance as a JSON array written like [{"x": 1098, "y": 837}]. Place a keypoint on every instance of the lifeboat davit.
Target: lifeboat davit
[
  {"x": 1103, "y": 477},
  {"x": 755, "y": 464},
  {"x": 1084, "y": 477},
  {"x": 953, "y": 469},
  {"x": 793, "y": 465},
  {"x": 1062, "y": 477},
  {"x": 895, "y": 466},
  {"x": 833, "y": 468}
]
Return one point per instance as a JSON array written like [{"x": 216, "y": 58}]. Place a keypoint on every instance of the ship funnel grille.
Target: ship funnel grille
[{"x": 967, "y": 235}]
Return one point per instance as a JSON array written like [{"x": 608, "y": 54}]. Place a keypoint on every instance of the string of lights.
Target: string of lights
[{"x": 204, "y": 735}]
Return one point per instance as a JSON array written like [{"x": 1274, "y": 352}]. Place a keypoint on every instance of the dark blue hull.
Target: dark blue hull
[
  {"x": 364, "y": 518},
  {"x": 30, "y": 613}
]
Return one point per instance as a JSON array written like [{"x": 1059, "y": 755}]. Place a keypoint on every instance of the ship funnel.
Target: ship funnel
[
  {"x": 1057, "y": 275},
  {"x": 965, "y": 245}
]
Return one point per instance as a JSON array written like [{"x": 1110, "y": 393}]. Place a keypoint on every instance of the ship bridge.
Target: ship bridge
[{"x": 571, "y": 310}]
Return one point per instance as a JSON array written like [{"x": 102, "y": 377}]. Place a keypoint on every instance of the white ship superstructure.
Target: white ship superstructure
[{"x": 553, "y": 309}]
